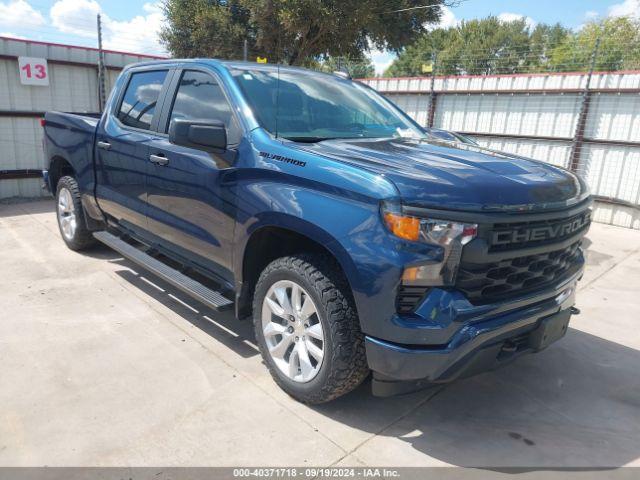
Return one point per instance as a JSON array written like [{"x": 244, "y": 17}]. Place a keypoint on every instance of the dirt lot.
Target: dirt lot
[{"x": 100, "y": 365}]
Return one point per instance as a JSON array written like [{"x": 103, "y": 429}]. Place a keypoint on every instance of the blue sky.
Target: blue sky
[
  {"x": 132, "y": 25},
  {"x": 568, "y": 12}
]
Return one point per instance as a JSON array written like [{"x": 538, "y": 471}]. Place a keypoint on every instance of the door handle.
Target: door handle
[
  {"x": 104, "y": 145},
  {"x": 159, "y": 159}
]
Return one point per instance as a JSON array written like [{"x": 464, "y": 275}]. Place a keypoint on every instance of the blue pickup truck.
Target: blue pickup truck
[{"x": 355, "y": 240}]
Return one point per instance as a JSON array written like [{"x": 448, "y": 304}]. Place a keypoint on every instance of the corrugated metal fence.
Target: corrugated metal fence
[
  {"x": 73, "y": 87},
  {"x": 591, "y": 127}
]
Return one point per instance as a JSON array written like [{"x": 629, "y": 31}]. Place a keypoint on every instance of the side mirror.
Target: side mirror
[{"x": 209, "y": 136}]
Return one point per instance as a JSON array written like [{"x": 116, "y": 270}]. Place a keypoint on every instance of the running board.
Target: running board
[{"x": 195, "y": 289}]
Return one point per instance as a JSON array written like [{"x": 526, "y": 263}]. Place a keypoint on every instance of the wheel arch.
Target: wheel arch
[
  {"x": 268, "y": 242},
  {"x": 58, "y": 168}
]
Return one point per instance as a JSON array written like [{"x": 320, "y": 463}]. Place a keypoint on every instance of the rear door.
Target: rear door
[
  {"x": 122, "y": 146},
  {"x": 191, "y": 207}
]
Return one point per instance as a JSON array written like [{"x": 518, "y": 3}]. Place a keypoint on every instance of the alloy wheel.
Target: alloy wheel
[
  {"x": 293, "y": 331},
  {"x": 66, "y": 214}
]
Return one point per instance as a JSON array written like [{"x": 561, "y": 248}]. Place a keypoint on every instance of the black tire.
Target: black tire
[
  {"x": 344, "y": 365},
  {"x": 81, "y": 237}
]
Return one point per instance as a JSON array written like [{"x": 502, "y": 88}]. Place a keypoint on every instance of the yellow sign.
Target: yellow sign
[
  {"x": 261, "y": 59},
  {"x": 427, "y": 68}
]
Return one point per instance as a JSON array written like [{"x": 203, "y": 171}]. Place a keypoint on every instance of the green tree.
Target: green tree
[
  {"x": 482, "y": 46},
  {"x": 293, "y": 31},
  {"x": 490, "y": 46},
  {"x": 409, "y": 62},
  {"x": 619, "y": 47},
  {"x": 544, "y": 40},
  {"x": 360, "y": 67}
]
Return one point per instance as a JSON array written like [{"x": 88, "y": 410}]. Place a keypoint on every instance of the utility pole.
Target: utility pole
[
  {"x": 432, "y": 98},
  {"x": 578, "y": 137},
  {"x": 101, "y": 85},
  {"x": 245, "y": 50}
]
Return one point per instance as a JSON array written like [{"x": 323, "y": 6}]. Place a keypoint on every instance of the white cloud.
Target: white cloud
[
  {"x": 512, "y": 17},
  {"x": 629, "y": 8},
  {"x": 448, "y": 19},
  {"x": 139, "y": 34},
  {"x": 12, "y": 35},
  {"x": 381, "y": 60},
  {"x": 75, "y": 16},
  {"x": 18, "y": 13},
  {"x": 591, "y": 15}
]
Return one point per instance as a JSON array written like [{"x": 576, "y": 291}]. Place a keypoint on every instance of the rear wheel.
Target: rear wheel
[
  {"x": 71, "y": 216},
  {"x": 307, "y": 328}
]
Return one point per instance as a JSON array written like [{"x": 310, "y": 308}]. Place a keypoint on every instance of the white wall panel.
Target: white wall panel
[
  {"x": 548, "y": 115},
  {"x": 67, "y": 53},
  {"x": 23, "y": 187},
  {"x": 614, "y": 117},
  {"x": 612, "y": 171},
  {"x": 72, "y": 88},
  {"x": 415, "y": 105},
  {"x": 619, "y": 215},
  {"x": 20, "y": 143},
  {"x": 554, "y": 152},
  {"x": 520, "y": 82}
]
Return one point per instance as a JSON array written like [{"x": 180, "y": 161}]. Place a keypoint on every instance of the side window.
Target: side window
[
  {"x": 140, "y": 99},
  {"x": 200, "y": 98}
]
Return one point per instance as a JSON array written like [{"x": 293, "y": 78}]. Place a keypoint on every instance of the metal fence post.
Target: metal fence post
[
  {"x": 432, "y": 98},
  {"x": 101, "y": 80},
  {"x": 578, "y": 137}
]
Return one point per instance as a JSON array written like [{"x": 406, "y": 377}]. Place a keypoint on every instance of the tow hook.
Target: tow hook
[{"x": 574, "y": 311}]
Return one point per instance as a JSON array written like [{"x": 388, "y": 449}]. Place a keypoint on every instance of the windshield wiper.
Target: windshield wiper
[{"x": 310, "y": 139}]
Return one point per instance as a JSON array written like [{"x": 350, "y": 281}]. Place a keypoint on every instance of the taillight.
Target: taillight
[{"x": 43, "y": 122}]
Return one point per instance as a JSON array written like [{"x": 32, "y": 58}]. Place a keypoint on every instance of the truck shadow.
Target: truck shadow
[
  {"x": 235, "y": 335},
  {"x": 577, "y": 404}
]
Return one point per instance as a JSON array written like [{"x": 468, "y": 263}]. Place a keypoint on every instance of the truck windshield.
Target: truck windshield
[{"x": 311, "y": 107}]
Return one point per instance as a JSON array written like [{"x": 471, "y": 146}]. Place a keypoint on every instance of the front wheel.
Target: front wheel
[
  {"x": 307, "y": 328},
  {"x": 71, "y": 216}
]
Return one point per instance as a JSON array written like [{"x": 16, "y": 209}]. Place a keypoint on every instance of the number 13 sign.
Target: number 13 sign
[{"x": 33, "y": 71}]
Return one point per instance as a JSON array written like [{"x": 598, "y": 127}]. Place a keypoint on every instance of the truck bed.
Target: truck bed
[{"x": 71, "y": 137}]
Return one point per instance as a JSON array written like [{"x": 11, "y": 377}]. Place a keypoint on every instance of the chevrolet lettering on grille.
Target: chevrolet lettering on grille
[{"x": 541, "y": 233}]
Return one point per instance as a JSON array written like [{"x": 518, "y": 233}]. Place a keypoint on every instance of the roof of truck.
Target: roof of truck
[{"x": 230, "y": 64}]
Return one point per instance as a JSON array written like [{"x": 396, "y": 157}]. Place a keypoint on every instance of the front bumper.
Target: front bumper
[{"x": 482, "y": 343}]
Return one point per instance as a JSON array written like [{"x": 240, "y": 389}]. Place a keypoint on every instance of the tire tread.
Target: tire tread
[
  {"x": 349, "y": 364},
  {"x": 83, "y": 238}
]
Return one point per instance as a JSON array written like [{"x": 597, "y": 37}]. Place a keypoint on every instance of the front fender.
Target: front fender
[{"x": 310, "y": 220}]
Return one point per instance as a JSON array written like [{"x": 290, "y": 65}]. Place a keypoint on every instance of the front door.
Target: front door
[
  {"x": 122, "y": 149},
  {"x": 189, "y": 195}
]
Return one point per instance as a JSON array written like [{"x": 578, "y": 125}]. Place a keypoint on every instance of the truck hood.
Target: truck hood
[{"x": 458, "y": 176}]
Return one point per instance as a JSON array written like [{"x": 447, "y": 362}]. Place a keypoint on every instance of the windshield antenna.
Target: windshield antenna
[{"x": 277, "y": 98}]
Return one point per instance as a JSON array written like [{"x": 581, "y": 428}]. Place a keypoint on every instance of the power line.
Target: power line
[{"x": 414, "y": 8}]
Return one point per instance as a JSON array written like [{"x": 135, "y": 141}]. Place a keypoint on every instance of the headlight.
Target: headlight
[{"x": 450, "y": 236}]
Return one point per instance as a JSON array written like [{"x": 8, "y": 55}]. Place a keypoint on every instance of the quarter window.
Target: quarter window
[
  {"x": 140, "y": 99},
  {"x": 200, "y": 98}
]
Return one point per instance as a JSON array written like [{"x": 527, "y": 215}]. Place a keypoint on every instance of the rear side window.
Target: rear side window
[
  {"x": 140, "y": 99},
  {"x": 200, "y": 98}
]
